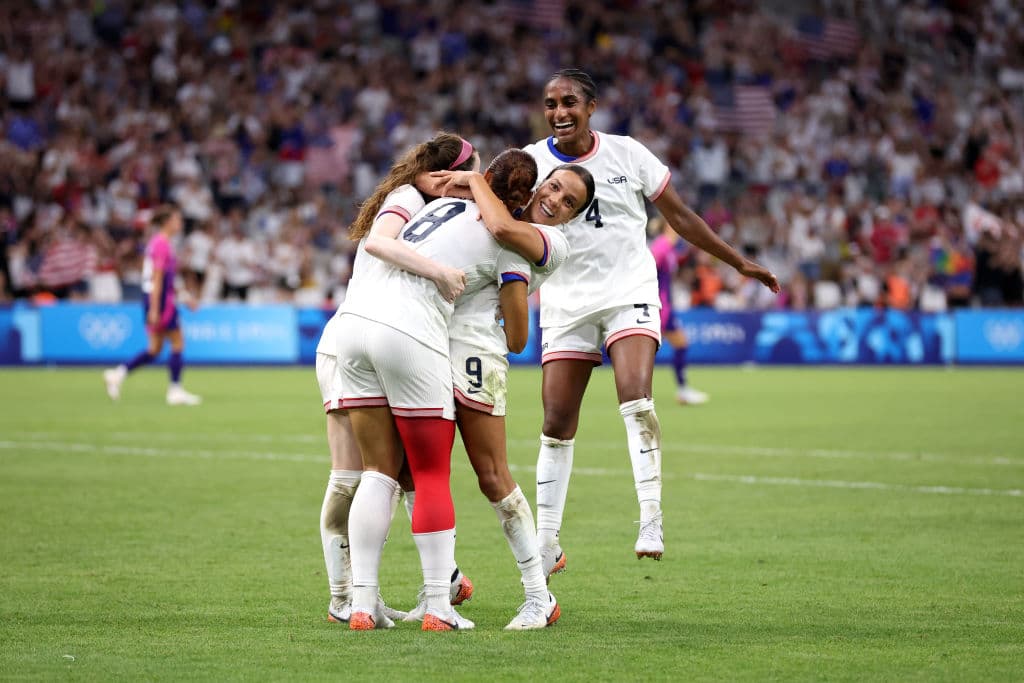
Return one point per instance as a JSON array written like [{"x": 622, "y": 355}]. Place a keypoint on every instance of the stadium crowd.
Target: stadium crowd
[{"x": 870, "y": 153}]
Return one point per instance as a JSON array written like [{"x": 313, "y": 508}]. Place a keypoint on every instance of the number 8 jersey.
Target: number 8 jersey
[
  {"x": 609, "y": 263},
  {"x": 447, "y": 231}
]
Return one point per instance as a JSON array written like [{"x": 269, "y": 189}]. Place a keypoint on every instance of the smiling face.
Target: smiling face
[
  {"x": 558, "y": 199},
  {"x": 568, "y": 112}
]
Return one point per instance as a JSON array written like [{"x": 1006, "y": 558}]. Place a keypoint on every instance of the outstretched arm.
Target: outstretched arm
[
  {"x": 694, "y": 230},
  {"x": 519, "y": 236},
  {"x": 382, "y": 242}
]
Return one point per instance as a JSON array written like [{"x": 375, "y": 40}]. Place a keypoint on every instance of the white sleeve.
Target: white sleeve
[
  {"x": 511, "y": 266},
  {"x": 556, "y": 249},
  {"x": 405, "y": 200},
  {"x": 653, "y": 174}
]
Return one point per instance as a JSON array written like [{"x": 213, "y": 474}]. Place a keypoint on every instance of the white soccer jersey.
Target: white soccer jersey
[
  {"x": 447, "y": 231},
  {"x": 404, "y": 201},
  {"x": 474, "y": 321},
  {"x": 610, "y": 264}
]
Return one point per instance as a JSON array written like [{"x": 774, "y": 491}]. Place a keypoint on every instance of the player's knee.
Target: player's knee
[
  {"x": 637, "y": 390},
  {"x": 560, "y": 424},
  {"x": 491, "y": 483}
]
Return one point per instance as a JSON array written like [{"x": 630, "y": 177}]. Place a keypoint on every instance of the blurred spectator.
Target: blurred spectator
[
  {"x": 238, "y": 259},
  {"x": 196, "y": 258}
]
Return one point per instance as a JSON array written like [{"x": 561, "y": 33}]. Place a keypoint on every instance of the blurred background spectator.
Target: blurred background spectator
[{"x": 872, "y": 153}]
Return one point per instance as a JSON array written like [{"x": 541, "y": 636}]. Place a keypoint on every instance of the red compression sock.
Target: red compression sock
[{"x": 428, "y": 447}]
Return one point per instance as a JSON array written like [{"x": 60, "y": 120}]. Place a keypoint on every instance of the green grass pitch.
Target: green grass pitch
[{"x": 828, "y": 524}]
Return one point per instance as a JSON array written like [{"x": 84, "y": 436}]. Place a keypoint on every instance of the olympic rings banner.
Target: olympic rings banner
[
  {"x": 92, "y": 333},
  {"x": 228, "y": 334},
  {"x": 990, "y": 336}
]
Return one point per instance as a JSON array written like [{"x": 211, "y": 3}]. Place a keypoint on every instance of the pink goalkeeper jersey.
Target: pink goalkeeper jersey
[{"x": 160, "y": 256}]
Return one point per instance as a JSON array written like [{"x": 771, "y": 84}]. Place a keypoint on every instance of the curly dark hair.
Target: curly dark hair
[{"x": 513, "y": 174}]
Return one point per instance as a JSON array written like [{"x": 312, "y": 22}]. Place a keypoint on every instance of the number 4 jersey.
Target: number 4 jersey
[
  {"x": 447, "y": 231},
  {"x": 609, "y": 263}
]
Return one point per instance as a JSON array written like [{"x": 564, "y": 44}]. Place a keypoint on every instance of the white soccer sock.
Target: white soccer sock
[
  {"x": 437, "y": 558},
  {"x": 368, "y": 522},
  {"x": 554, "y": 465},
  {"x": 517, "y": 523},
  {"x": 643, "y": 435},
  {"x": 341, "y": 487}
]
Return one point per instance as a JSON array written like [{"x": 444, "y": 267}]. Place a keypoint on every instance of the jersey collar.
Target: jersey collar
[{"x": 565, "y": 158}]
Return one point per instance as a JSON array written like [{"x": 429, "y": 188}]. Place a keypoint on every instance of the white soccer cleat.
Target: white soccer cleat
[
  {"x": 339, "y": 611},
  {"x": 690, "y": 396},
  {"x": 534, "y": 614},
  {"x": 460, "y": 591},
  {"x": 390, "y": 612},
  {"x": 446, "y": 620},
  {"x": 420, "y": 610},
  {"x": 113, "y": 378},
  {"x": 552, "y": 560},
  {"x": 651, "y": 541},
  {"x": 461, "y": 588},
  {"x": 177, "y": 396},
  {"x": 366, "y": 621}
]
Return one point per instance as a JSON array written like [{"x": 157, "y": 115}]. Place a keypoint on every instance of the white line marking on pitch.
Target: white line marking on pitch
[
  {"x": 60, "y": 446},
  {"x": 70, "y": 447},
  {"x": 759, "y": 451},
  {"x": 871, "y": 485},
  {"x": 828, "y": 453}
]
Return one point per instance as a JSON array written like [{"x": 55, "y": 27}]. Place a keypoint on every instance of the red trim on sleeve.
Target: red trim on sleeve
[
  {"x": 397, "y": 210},
  {"x": 661, "y": 188}
]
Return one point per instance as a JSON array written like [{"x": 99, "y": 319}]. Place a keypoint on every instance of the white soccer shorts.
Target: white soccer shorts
[
  {"x": 381, "y": 366},
  {"x": 328, "y": 376},
  {"x": 583, "y": 339},
  {"x": 480, "y": 378}
]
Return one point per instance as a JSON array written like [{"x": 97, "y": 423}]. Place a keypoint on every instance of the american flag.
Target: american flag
[
  {"x": 539, "y": 14},
  {"x": 824, "y": 38},
  {"x": 747, "y": 109}
]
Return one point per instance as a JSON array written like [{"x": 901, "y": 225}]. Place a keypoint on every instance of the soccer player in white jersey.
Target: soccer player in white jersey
[
  {"x": 388, "y": 209},
  {"x": 480, "y": 364},
  {"x": 396, "y": 376},
  {"x": 607, "y": 295}
]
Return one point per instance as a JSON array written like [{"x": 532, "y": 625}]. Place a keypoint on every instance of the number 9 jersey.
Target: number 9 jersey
[
  {"x": 609, "y": 264},
  {"x": 479, "y": 350}
]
